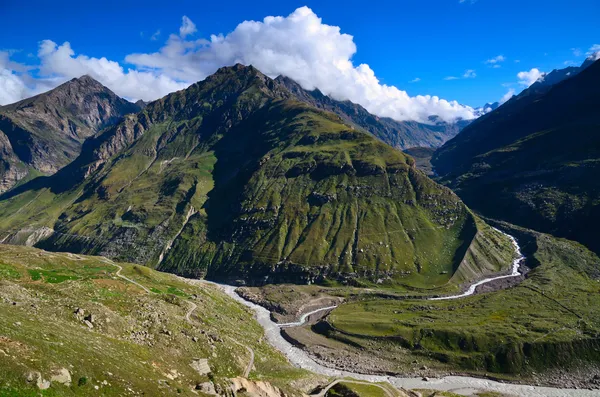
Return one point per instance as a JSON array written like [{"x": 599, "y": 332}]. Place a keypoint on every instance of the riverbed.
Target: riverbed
[{"x": 458, "y": 384}]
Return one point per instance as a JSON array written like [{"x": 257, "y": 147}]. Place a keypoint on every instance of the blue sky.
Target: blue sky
[{"x": 400, "y": 40}]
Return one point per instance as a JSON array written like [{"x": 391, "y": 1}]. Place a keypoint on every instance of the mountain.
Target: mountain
[
  {"x": 233, "y": 178},
  {"x": 556, "y": 76},
  {"x": 535, "y": 161},
  {"x": 488, "y": 107},
  {"x": 40, "y": 135},
  {"x": 399, "y": 134}
]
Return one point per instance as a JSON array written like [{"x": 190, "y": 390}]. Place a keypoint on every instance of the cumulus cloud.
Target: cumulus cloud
[
  {"x": 527, "y": 78},
  {"x": 303, "y": 48},
  {"x": 12, "y": 86},
  {"x": 299, "y": 46},
  {"x": 187, "y": 27},
  {"x": 58, "y": 63}
]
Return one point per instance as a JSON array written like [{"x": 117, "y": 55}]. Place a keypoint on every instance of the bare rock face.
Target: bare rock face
[
  {"x": 201, "y": 366},
  {"x": 62, "y": 376},
  {"x": 36, "y": 377},
  {"x": 46, "y": 132},
  {"x": 255, "y": 388}
]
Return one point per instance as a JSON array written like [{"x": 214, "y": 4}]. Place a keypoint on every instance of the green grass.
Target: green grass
[
  {"x": 311, "y": 196},
  {"x": 9, "y": 272},
  {"x": 552, "y": 314},
  {"x": 347, "y": 389},
  {"x": 41, "y": 333}
]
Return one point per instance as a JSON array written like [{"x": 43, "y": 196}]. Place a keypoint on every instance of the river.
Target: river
[{"x": 458, "y": 384}]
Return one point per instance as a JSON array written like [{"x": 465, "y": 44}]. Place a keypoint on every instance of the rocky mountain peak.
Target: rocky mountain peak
[{"x": 45, "y": 132}]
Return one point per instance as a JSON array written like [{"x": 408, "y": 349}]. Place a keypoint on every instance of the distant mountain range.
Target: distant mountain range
[
  {"x": 235, "y": 178},
  {"x": 44, "y": 133},
  {"x": 399, "y": 134},
  {"x": 535, "y": 160}
]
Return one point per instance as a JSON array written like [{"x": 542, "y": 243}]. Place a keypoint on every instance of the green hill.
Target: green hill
[
  {"x": 535, "y": 160},
  {"x": 78, "y": 326},
  {"x": 233, "y": 178}
]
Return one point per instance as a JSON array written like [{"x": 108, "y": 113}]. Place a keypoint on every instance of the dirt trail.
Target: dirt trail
[
  {"x": 110, "y": 262},
  {"x": 188, "y": 314}
]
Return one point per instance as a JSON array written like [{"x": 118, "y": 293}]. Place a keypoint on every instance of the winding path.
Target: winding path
[
  {"x": 323, "y": 392},
  {"x": 188, "y": 314},
  {"x": 110, "y": 262}
]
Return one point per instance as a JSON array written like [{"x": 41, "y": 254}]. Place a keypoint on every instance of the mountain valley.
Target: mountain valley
[{"x": 245, "y": 236}]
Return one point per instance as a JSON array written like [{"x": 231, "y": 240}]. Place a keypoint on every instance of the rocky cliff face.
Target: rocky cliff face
[
  {"x": 42, "y": 134},
  {"x": 399, "y": 134}
]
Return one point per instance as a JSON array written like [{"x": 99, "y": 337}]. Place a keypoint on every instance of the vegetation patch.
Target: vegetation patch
[{"x": 551, "y": 318}]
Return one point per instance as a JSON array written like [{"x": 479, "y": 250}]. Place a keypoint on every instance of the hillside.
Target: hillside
[
  {"x": 399, "y": 134},
  {"x": 42, "y": 134},
  {"x": 535, "y": 160},
  {"x": 78, "y": 326},
  {"x": 233, "y": 179}
]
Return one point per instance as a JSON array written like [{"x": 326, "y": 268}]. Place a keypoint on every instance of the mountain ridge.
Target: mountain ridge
[
  {"x": 536, "y": 159},
  {"x": 233, "y": 178},
  {"x": 399, "y": 134},
  {"x": 41, "y": 134}
]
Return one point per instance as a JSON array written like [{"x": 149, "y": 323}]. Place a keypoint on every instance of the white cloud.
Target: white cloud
[
  {"x": 187, "y": 27},
  {"x": 468, "y": 74},
  {"x": 569, "y": 63},
  {"x": 517, "y": 61},
  {"x": 594, "y": 52},
  {"x": 12, "y": 87},
  {"x": 58, "y": 63},
  {"x": 415, "y": 80},
  {"x": 299, "y": 46},
  {"x": 305, "y": 49},
  {"x": 496, "y": 66},
  {"x": 577, "y": 52},
  {"x": 155, "y": 35},
  {"x": 507, "y": 96},
  {"x": 527, "y": 78},
  {"x": 495, "y": 60}
]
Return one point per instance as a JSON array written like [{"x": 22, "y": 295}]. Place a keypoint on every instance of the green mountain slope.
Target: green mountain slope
[
  {"x": 398, "y": 134},
  {"x": 233, "y": 178},
  {"x": 535, "y": 160},
  {"x": 40, "y": 135}
]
